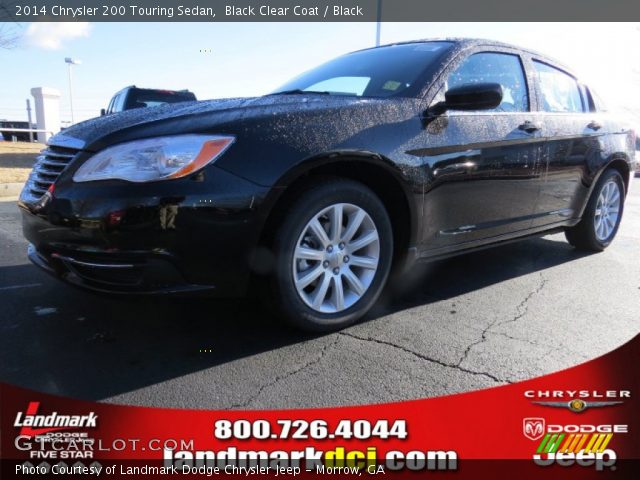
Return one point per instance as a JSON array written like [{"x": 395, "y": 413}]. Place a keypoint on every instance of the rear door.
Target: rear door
[
  {"x": 482, "y": 167},
  {"x": 573, "y": 130}
]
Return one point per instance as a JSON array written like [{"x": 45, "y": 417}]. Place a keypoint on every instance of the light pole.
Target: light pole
[
  {"x": 70, "y": 62},
  {"x": 379, "y": 23}
]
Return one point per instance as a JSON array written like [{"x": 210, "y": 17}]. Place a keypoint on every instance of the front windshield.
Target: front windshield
[{"x": 379, "y": 72}]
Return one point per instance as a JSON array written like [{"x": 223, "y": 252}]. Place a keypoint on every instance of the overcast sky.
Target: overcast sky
[{"x": 217, "y": 60}]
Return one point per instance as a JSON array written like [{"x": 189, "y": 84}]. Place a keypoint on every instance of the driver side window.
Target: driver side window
[{"x": 502, "y": 68}]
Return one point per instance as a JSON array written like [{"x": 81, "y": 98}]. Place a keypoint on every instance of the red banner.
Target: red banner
[{"x": 578, "y": 423}]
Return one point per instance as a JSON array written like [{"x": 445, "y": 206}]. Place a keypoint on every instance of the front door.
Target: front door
[{"x": 482, "y": 168}]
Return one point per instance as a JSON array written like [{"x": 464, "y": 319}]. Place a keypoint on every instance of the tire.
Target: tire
[
  {"x": 333, "y": 261},
  {"x": 587, "y": 235}
]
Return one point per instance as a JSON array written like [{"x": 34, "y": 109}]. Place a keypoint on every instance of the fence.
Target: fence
[{"x": 30, "y": 131}]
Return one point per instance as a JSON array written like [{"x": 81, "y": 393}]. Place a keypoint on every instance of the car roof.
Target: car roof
[
  {"x": 133, "y": 87},
  {"x": 464, "y": 43}
]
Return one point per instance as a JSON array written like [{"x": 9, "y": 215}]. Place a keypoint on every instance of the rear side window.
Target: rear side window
[
  {"x": 587, "y": 99},
  {"x": 560, "y": 91},
  {"x": 502, "y": 68},
  {"x": 598, "y": 102},
  {"x": 110, "y": 107},
  {"x": 118, "y": 102}
]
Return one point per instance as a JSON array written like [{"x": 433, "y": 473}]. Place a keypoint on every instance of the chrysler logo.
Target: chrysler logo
[
  {"x": 533, "y": 428},
  {"x": 577, "y": 405}
]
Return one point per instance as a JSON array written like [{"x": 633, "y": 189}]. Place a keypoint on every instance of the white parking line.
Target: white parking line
[{"x": 14, "y": 287}]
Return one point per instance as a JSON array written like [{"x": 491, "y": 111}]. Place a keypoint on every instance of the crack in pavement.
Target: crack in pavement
[
  {"x": 530, "y": 342},
  {"x": 522, "y": 307},
  {"x": 279, "y": 378},
  {"x": 553, "y": 348},
  {"x": 324, "y": 351},
  {"x": 521, "y": 311},
  {"x": 424, "y": 357}
]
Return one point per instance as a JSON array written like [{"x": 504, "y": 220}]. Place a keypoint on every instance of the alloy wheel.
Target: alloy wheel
[
  {"x": 607, "y": 210},
  {"x": 336, "y": 258}
]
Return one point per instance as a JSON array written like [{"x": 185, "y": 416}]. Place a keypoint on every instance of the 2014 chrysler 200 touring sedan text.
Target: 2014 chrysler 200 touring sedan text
[{"x": 374, "y": 160}]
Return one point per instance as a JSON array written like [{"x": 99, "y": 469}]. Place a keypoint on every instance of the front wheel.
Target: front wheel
[
  {"x": 333, "y": 256},
  {"x": 602, "y": 216}
]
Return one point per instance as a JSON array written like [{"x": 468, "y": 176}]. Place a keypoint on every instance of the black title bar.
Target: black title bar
[{"x": 316, "y": 10}]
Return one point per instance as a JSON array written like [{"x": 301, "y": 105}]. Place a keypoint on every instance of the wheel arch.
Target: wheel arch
[
  {"x": 381, "y": 175},
  {"x": 619, "y": 162}
]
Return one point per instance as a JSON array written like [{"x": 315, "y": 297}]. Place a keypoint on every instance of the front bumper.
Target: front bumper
[
  {"x": 111, "y": 275},
  {"x": 160, "y": 238}
]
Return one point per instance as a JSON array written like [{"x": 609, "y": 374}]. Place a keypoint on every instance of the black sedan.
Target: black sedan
[{"x": 317, "y": 192}]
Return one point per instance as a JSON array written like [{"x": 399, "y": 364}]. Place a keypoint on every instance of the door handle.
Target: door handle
[
  {"x": 593, "y": 125},
  {"x": 530, "y": 126}
]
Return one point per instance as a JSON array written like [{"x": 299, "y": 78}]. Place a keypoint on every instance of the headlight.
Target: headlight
[{"x": 160, "y": 158}]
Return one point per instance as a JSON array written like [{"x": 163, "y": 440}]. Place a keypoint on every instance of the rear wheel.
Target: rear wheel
[
  {"x": 333, "y": 255},
  {"x": 602, "y": 216}
]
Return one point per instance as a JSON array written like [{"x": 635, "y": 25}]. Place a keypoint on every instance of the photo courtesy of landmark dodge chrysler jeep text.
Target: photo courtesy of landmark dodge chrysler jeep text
[{"x": 372, "y": 161}]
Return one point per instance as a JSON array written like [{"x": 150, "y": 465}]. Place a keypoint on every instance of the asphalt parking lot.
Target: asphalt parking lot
[{"x": 479, "y": 320}]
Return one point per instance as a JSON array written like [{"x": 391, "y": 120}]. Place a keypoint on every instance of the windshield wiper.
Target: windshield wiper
[{"x": 298, "y": 91}]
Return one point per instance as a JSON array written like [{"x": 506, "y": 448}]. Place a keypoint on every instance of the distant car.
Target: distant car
[
  {"x": 133, "y": 97},
  {"x": 637, "y": 156},
  {"x": 379, "y": 158}
]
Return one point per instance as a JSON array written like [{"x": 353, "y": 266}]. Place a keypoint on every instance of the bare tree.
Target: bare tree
[
  {"x": 9, "y": 36},
  {"x": 10, "y": 31}
]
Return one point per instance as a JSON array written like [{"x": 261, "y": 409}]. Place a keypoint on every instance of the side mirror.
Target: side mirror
[
  {"x": 470, "y": 97},
  {"x": 103, "y": 112}
]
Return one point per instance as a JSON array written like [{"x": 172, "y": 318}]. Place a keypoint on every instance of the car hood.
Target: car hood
[{"x": 197, "y": 116}]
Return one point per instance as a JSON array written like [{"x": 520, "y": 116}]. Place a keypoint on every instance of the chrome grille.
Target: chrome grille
[{"x": 48, "y": 167}]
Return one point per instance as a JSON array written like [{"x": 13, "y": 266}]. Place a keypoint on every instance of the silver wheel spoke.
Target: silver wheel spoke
[
  {"x": 319, "y": 231},
  {"x": 306, "y": 253},
  {"x": 354, "y": 282},
  {"x": 363, "y": 241},
  {"x": 320, "y": 293},
  {"x": 336, "y": 223},
  {"x": 337, "y": 293},
  {"x": 609, "y": 223},
  {"x": 614, "y": 197},
  {"x": 364, "y": 262},
  {"x": 309, "y": 276},
  {"x": 355, "y": 220},
  {"x": 610, "y": 194}
]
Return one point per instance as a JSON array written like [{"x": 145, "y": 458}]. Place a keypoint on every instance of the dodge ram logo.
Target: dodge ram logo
[{"x": 533, "y": 428}]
